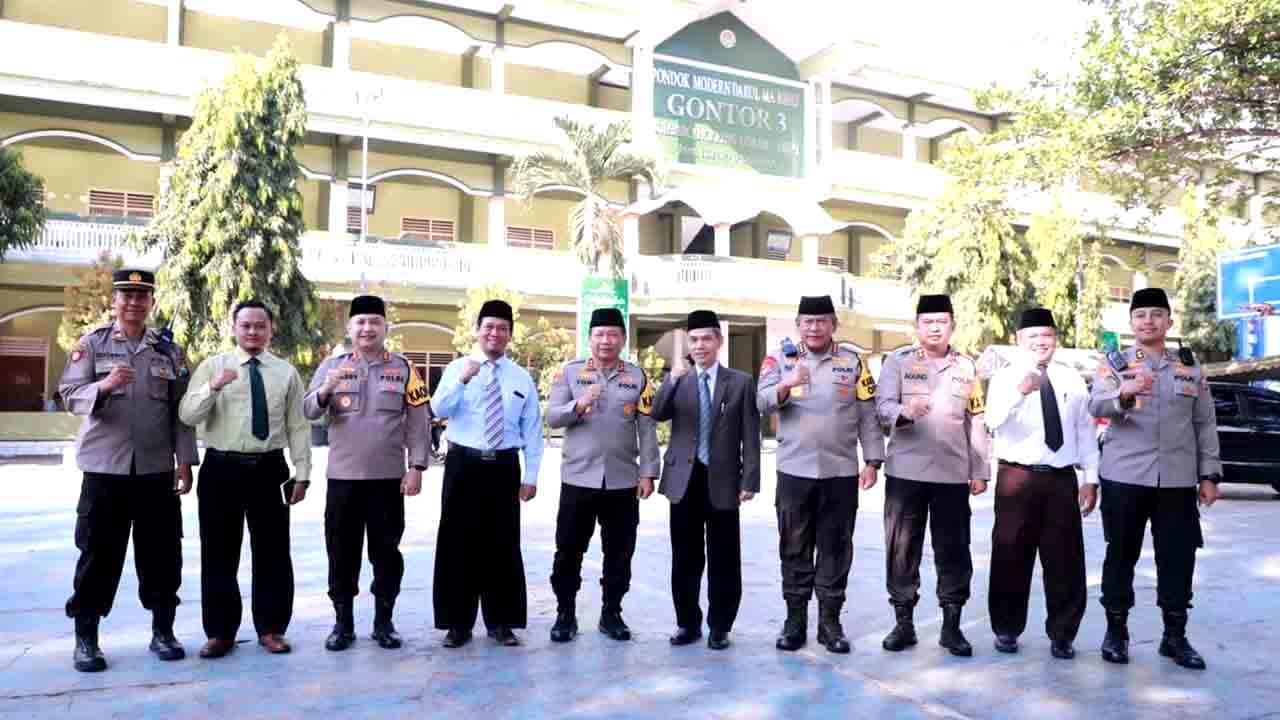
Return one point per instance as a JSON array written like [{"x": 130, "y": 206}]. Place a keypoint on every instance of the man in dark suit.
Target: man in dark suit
[{"x": 711, "y": 466}]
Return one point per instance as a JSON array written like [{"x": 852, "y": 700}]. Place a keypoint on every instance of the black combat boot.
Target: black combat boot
[
  {"x": 903, "y": 635},
  {"x": 384, "y": 631},
  {"x": 1115, "y": 644},
  {"x": 830, "y": 633},
  {"x": 951, "y": 638},
  {"x": 88, "y": 656},
  {"x": 796, "y": 627},
  {"x": 1174, "y": 643},
  {"x": 612, "y": 624},
  {"x": 344, "y": 628},
  {"x": 566, "y": 626},
  {"x": 163, "y": 643}
]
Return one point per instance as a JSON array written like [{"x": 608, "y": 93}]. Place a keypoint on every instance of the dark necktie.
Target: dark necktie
[
  {"x": 258, "y": 393},
  {"x": 704, "y": 419},
  {"x": 1052, "y": 420}
]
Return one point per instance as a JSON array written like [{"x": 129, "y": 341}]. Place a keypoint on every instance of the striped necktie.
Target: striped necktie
[
  {"x": 704, "y": 419},
  {"x": 493, "y": 408}
]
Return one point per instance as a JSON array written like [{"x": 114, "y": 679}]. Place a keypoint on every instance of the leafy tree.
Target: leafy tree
[
  {"x": 1055, "y": 243},
  {"x": 965, "y": 245},
  {"x": 653, "y": 364},
  {"x": 87, "y": 300},
  {"x": 1195, "y": 284},
  {"x": 231, "y": 217},
  {"x": 22, "y": 212},
  {"x": 1092, "y": 300},
  {"x": 589, "y": 157}
]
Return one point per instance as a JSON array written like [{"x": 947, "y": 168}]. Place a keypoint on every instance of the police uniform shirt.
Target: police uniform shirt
[
  {"x": 1168, "y": 437},
  {"x": 134, "y": 427},
  {"x": 227, "y": 414},
  {"x": 378, "y": 410},
  {"x": 819, "y": 423},
  {"x": 601, "y": 448},
  {"x": 948, "y": 445},
  {"x": 465, "y": 405}
]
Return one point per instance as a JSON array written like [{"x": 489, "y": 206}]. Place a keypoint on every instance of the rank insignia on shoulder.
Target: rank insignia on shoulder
[
  {"x": 920, "y": 354},
  {"x": 417, "y": 394},
  {"x": 1140, "y": 354}
]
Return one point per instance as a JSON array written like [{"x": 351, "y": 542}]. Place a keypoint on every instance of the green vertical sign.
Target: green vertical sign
[
  {"x": 601, "y": 292},
  {"x": 722, "y": 119},
  {"x": 1109, "y": 341}
]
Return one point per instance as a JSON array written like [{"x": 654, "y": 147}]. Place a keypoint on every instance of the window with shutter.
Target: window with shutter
[
  {"x": 1120, "y": 292},
  {"x": 117, "y": 203},
  {"x": 427, "y": 229},
  {"x": 775, "y": 254},
  {"x": 530, "y": 237},
  {"x": 834, "y": 262}
]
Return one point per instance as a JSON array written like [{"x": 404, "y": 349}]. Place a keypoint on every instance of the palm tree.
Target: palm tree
[{"x": 588, "y": 159}]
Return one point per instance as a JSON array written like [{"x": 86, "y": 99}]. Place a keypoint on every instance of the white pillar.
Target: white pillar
[
  {"x": 630, "y": 235},
  {"x": 173, "y": 34},
  {"x": 809, "y": 160},
  {"x": 342, "y": 44},
  {"x": 826, "y": 125},
  {"x": 723, "y": 356},
  {"x": 166, "y": 173},
  {"x": 642, "y": 96},
  {"x": 809, "y": 250},
  {"x": 722, "y": 244},
  {"x": 497, "y": 222},
  {"x": 1257, "y": 204},
  {"x": 1140, "y": 281},
  {"x": 338, "y": 206},
  {"x": 909, "y": 145},
  {"x": 498, "y": 71}
]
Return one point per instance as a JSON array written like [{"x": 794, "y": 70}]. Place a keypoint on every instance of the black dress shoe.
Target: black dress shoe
[
  {"x": 686, "y": 636},
  {"x": 718, "y": 640},
  {"x": 457, "y": 637},
  {"x": 612, "y": 624},
  {"x": 384, "y": 633},
  {"x": 1062, "y": 649},
  {"x": 565, "y": 628},
  {"x": 503, "y": 636},
  {"x": 1006, "y": 643},
  {"x": 88, "y": 656}
]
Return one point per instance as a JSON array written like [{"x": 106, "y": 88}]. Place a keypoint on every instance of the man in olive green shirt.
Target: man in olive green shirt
[{"x": 250, "y": 405}]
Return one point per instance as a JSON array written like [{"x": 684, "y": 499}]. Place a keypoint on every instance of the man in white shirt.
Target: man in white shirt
[{"x": 1043, "y": 431}]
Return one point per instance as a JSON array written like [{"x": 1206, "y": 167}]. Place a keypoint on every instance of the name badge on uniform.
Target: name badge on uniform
[
  {"x": 961, "y": 387},
  {"x": 162, "y": 370},
  {"x": 1185, "y": 385},
  {"x": 915, "y": 381},
  {"x": 103, "y": 366}
]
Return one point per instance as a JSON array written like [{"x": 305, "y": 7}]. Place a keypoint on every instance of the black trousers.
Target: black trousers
[
  {"x": 234, "y": 489},
  {"x": 1175, "y": 531},
  {"x": 908, "y": 506},
  {"x": 352, "y": 509},
  {"x": 109, "y": 507},
  {"x": 1037, "y": 512},
  {"x": 478, "y": 559},
  {"x": 695, "y": 523},
  {"x": 618, "y": 513},
  {"x": 816, "y": 516}
]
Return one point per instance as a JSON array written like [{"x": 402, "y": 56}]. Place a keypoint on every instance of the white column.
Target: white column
[
  {"x": 809, "y": 250},
  {"x": 642, "y": 96},
  {"x": 1140, "y": 281},
  {"x": 173, "y": 34},
  {"x": 497, "y": 222},
  {"x": 722, "y": 244},
  {"x": 826, "y": 125},
  {"x": 338, "y": 206},
  {"x": 723, "y": 356},
  {"x": 166, "y": 173},
  {"x": 809, "y": 160},
  {"x": 1257, "y": 204},
  {"x": 909, "y": 145},
  {"x": 498, "y": 71},
  {"x": 630, "y": 236},
  {"x": 342, "y": 44}
]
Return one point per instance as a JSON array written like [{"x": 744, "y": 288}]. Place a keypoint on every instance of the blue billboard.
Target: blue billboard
[{"x": 1246, "y": 277}]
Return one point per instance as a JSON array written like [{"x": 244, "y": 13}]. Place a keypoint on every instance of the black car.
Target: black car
[{"x": 1248, "y": 433}]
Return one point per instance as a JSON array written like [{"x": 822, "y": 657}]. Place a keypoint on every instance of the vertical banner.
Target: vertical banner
[{"x": 601, "y": 292}]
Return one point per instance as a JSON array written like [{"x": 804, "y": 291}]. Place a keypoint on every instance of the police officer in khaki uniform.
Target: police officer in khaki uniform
[
  {"x": 1159, "y": 458},
  {"x": 127, "y": 379},
  {"x": 376, "y": 408},
  {"x": 930, "y": 401},
  {"x": 823, "y": 396},
  {"x": 609, "y": 461}
]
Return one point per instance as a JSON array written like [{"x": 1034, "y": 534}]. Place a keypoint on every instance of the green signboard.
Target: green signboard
[
  {"x": 718, "y": 118},
  {"x": 1109, "y": 340},
  {"x": 600, "y": 292}
]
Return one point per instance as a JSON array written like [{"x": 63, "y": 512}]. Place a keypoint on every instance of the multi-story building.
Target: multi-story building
[{"x": 785, "y": 171}]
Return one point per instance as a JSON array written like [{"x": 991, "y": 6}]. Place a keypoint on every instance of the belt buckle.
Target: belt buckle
[{"x": 489, "y": 455}]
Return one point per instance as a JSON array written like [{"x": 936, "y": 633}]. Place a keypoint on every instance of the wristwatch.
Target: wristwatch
[
  {"x": 419, "y": 468},
  {"x": 877, "y": 464},
  {"x": 1214, "y": 478}
]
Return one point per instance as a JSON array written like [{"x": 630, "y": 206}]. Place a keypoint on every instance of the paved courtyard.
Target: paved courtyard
[{"x": 1237, "y": 601}]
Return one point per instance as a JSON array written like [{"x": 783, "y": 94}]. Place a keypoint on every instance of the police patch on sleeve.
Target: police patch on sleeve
[
  {"x": 977, "y": 401},
  {"x": 417, "y": 394},
  {"x": 866, "y": 383},
  {"x": 646, "y": 399}
]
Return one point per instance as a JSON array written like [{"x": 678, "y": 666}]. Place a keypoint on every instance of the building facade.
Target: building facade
[{"x": 784, "y": 174}]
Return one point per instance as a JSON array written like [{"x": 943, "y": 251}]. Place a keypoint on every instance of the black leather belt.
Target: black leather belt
[
  {"x": 1037, "y": 468},
  {"x": 243, "y": 457},
  {"x": 478, "y": 454}
]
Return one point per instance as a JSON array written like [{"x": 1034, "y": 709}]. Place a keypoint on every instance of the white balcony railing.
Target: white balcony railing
[{"x": 80, "y": 242}]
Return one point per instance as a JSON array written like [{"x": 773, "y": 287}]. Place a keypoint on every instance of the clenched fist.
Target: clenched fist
[
  {"x": 119, "y": 376},
  {"x": 223, "y": 378},
  {"x": 469, "y": 370},
  {"x": 583, "y": 406},
  {"x": 917, "y": 407}
]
